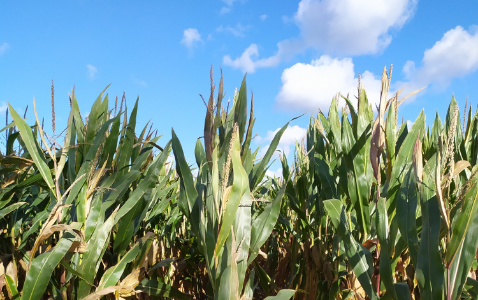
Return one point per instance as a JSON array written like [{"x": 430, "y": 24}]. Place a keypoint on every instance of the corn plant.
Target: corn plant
[
  {"x": 381, "y": 210},
  {"x": 220, "y": 203},
  {"x": 74, "y": 217}
]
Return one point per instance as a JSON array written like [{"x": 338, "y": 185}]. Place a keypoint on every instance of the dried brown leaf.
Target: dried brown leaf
[{"x": 47, "y": 232}]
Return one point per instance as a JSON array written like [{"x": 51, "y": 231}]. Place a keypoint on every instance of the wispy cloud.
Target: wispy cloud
[
  {"x": 140, "y": 82},
  {"x": 238, "y": 30},
  {"x": 4, "y": 47},
  {"x": 312, "y": 86},
  {"x": 249, "y": 60},
  {"x": 325, "y": 26},
  {"x": 191, "y": 37},
  {"x": 224, "y": 10},
  {"x": 91, "y": 71},
  {"x": 227, "y": 7},
  {"x": 263, "y": 17}
]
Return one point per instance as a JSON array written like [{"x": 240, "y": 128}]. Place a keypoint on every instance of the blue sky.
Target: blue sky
[{"x": 297, "y": 54}]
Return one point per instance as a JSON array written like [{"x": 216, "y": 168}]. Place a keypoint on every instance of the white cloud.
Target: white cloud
[
  {"x": 91, "y": 71},
  {"x": 228, "y": 6},
  {"x": 4, "y": 47},
  {"x": 249, "y": 62},
  {"x": 277, "y": 173},
  {"x": 244, "y": 62},
  {"x": 454, "y": 55},
  {"x": 312, "y": 86},
  {"x": 224, "y": 10},
  {"x": 140, "y": 82},
  {"x": 291, "y": 135},
  {"x": 351, "y": 27},
  {"x": 263, "y": 17},
  {"x": 237, "y": 30},
  {"x": 229, "y": 2},
  {"x": 191, "y": 37},
  {"x": 344, "y": 27}
]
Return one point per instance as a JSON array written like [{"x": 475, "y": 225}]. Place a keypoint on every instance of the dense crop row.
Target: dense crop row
[{"x": 366, "y": 209}]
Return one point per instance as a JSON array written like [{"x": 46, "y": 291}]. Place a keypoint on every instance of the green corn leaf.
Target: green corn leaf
[
  {"x": 386, "y": 272},
  {"x": 348, "y": 138},
  {"x": 329, "y": 187},
  {"x": 92, "y": 122},
  {"x": 92, "y": 256},
  {"x": 463, "y": 223},
  {"x": 242, "y": 235},
  {"x": 260, "y": 169},
  {"x": 38, "y": 277},
  {"x": 335, "y": 127},
  {"x": 113, "y": 274},
  {"x": 240, "y": 111},
  {"x": 134, "y": 198},
  {"x": 430, "y": 270},
  {"x": 264, "y": 224},
  {"x": 365, "y": 113},
  {"x": 390, "y": 138},
  {"x": 351, "y": 108},
  {"x": 407, "y": 201},
  {"x": 111, "y": 143},
  {"x": 465, "y": 235},
  {"x": 11, "y": 141},
  {"x": 88, "y": 159},
  {"x": 5, "y": 211},
  {"x": 120, "y": 187},
  {"x": 266, "y": 283},
  {"x": 33, "y": 149},
  {"x": 188, "y": 194},
  {"x": 436, "y": 131},
  {"x": 67, "y": 144},
  {"x": 129, "y": 221},
  {"x": 239, "y": 187},
  {"x": 74, "y": 272},
  {"x": 11, "y": 125},
  {"x": 249, "y": 286},
  {"x": 282, "y": 295},
  {"x": 35, "y": 227},
  {"x": 80, "y": 203},
  {"x": 358, "y": 256},
  {"x": 125, "y": 148},
  {"x": 79, "y": 130},
  {"x": 229, "y": 284},
  {"x": 159, "y": 289},
  {"x": 93, "y": 216},
  {"x": 404, "y": 160},
  {"x": 359, "y": 185},
  {"x": 471, "y": 136},
  {"x": 472, "y": 287},
  {"x": 12, "y": 288}
]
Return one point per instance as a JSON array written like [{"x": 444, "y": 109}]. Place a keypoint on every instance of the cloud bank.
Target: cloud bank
[
  {"x": 310, "y": 87},
  {"x": 455, "y": 55},
  {"x": 334, "y": 27}
]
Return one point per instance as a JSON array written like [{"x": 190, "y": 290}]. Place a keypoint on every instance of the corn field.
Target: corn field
[{"x": 367, "y": 208}]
